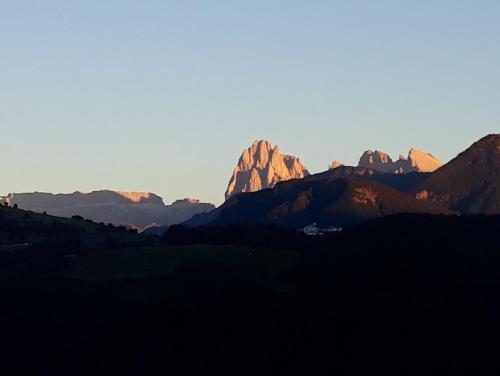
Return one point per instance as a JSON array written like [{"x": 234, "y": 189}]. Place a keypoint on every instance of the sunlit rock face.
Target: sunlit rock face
[
  {"x": 417, "y": 161},
  {"x": 139, "y": 196},
  {"x": 133, "y": 209},
  {"x": 334, "y": 164},
  {"x": 262, "y": 166},
  {"x": 377, "y": 160},
  {"x": 423, "y": 162},
  {"x": 365, "y": 196}
]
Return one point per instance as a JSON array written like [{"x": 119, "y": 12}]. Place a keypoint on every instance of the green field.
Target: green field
[{"x": 145, "y": 261}]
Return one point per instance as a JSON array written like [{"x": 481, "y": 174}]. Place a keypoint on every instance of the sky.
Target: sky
[{"x": 163, "y": 96}]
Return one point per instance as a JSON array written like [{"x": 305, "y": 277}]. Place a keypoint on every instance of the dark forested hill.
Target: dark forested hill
[{"x": 20, "y": 226}]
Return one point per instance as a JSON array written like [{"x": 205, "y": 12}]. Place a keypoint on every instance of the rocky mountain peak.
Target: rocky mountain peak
[
  {"x": 334, "y": 164},
  {"x": 422, "y": 161},
  {"x": 417, "y": 161},
  {"x": 261, "y": 166},
  {"x": 376, "y": 160}
]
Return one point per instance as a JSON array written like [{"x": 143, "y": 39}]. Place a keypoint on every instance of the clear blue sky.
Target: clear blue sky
[{"x": 162, "y": 96}]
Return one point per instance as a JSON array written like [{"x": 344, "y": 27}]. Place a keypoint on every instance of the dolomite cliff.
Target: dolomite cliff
[
  {"x": 417, "y": 161},
  {"x": 263, "y": 166}
]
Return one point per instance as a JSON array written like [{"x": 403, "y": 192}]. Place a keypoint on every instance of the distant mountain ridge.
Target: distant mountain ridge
[
  {"x": 41, "y": 200},
  {"x": 134, "y": 209}
]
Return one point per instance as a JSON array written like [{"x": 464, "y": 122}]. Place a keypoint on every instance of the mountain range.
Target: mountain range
[
  {"x": 345, "y": 195},
  {"x": 268, "y": 186},
  {"x": 133, "y": 209},
  {"x": 262, "y": 166}
]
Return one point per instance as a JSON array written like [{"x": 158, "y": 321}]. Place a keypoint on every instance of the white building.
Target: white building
[{"x": 313, "y": 230}]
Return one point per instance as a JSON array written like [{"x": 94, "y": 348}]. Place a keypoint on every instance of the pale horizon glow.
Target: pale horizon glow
[{"x": 163, "y": 96}]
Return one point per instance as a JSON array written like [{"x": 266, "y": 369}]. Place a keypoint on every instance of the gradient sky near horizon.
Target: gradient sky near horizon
[{"x": 163, "y": 96}]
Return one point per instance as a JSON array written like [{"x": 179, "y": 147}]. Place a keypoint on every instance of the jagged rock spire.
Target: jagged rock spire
[{"x": 262, "y": 166}]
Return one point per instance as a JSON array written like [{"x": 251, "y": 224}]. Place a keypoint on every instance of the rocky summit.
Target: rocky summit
[
  {"x": 417, "y": 161},
  {"x": 334, "y": 164},
  {"x": 262, "y": 166}
]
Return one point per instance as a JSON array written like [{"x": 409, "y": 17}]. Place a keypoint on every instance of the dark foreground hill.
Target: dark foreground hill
[
  {"x": 403, "y": 295},
  {"x": 37, "y": 243},
  {"x": 20, "y": 226}
]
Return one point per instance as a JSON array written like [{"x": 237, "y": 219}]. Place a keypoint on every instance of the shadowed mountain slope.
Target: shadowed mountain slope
[
  {"x": 401, "y": 182},
  {"x": 327, "y": 201},
  {"x": 470, "y": 183},
  {"x": 40, "y": 200}
]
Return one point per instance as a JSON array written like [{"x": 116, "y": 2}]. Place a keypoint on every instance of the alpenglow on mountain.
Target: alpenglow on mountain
[
  {"x": 263, "y": 166},
  {"x": 417, "y": 161}
]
